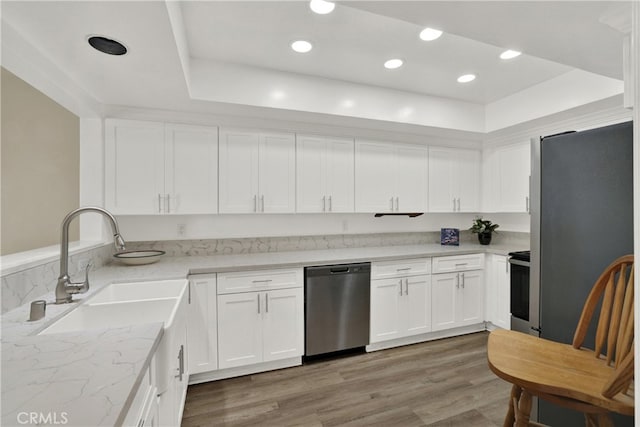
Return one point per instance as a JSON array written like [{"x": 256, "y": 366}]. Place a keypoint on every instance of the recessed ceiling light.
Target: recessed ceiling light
[
  {"x": 106, "y": 45},
  {"x": 301, "y": 46},
  {"x": 509, "y": 54},
  {"x": 322, "y": 7},
  {"x": 429, "y": 34},
  {"x": 466, "y": 78},
  {"x": 393, "y": 63}
]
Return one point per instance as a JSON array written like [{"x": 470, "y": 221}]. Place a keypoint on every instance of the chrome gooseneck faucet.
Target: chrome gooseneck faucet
[{"x": 65, "y": 288}]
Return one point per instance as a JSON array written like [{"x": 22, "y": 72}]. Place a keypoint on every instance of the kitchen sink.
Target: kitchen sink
[
  {"x": 114, "y": 315},
  {"x": 124, "y": 304},
  {"x": 138, "y": 291}
]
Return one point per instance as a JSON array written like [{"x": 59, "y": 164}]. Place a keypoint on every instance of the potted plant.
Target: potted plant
[{"x": 484, "y": 228}]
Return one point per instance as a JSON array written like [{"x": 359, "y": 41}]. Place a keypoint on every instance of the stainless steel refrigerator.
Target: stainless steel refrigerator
[{"x": 581, "y": 220}]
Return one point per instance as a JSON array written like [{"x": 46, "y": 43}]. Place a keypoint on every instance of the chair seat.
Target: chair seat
[{"x": 549, "y": 368}]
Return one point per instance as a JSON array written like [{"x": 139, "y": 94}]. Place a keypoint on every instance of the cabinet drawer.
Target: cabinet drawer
[
  {"x": 448, "y": 264},
  {"x": 400, "y": 268},
  {"x": 256, "y": 280}
]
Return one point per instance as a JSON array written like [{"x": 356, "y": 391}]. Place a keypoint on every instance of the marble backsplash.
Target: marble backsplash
[
  {"x": 27, "y": 285},
  {"x": 304, "y": 243}
]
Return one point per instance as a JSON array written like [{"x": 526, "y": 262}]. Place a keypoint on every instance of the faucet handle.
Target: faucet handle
[{"x": 86, "y": 271}]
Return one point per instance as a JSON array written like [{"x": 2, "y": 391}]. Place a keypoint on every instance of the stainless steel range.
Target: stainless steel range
[{"x": 520, "y": 292}]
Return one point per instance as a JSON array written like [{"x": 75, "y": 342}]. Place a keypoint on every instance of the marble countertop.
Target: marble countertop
[{"x": 93, "y": 375}]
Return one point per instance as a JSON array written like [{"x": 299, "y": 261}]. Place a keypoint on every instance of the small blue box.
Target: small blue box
[{"x": 450, "y": 236}]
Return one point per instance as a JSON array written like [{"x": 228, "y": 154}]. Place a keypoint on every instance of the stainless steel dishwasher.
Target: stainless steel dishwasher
[{"x": 336, "y": 307}]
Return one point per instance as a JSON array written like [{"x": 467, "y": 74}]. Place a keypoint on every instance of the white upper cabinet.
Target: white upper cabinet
[
  {"x": 325, "y": 174},
  {"x": 157, "y": 168},
  {"x": 454, "y": 180},
  {"x": 390, "y": 177},
  {"x": 191, "y": 169},
  {"x": 257, "y": 172},
  {"x": 513, "y": 169}
]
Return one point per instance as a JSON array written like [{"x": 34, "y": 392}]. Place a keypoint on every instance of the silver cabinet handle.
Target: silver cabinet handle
[
  {"x": 255, "y": 203},
  {"x": 406, "y": 284},
  {"x": 403, "y": 269},
  {"x": 266, "y": 298},
  {"x": 391, "y": 201},
  {"x": 454, "y": 204},
  {"x": 527, "y": 204},
  {"x": 330, "y": 205},
  {"x": 258, "y": 303},
  {"x": 262, "y": 281},
  {"x": 262, "y": 200},
  {"x": 323, "y": 203},
  {"x": 461, "y": 263},
  {"x": 180, "y": 368},
  {"x": 159, "y": 203},
  {"x": 168, "y": 201},
  {"x": 462, "y": 279},
  {"x": 189, "y": 294},
  {"x": 506, "y": 266},
  {"x": 397, "y": 203},
  {"x": 458, "y": 204},
  {"x": 400, "y": 282}
]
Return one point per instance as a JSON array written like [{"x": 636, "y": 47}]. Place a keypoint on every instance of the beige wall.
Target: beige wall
[{"x": 40, "y": 164}]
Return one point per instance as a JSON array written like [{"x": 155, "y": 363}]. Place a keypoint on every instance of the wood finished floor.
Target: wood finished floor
[{"x": 438, "y": 383}]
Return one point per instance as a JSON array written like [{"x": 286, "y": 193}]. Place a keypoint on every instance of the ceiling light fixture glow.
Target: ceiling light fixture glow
[
  {"x": 301, "y": 46},
  {"x": 393, "y": 64},
  {"x": 430, "y": 34},
  {"x": 466, "y": 78},
  {"x": 322, "y": 7},
  {"x": 509, "y": 54}
]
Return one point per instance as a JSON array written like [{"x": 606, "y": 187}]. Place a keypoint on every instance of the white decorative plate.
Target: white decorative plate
[{"x": 138, "y": 257}]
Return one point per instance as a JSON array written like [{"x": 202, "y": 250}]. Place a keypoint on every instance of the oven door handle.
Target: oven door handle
[{"x": 518, "y": 262}]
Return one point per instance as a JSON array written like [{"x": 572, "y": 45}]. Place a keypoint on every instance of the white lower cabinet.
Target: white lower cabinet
[
  {"x": 400, "y": 307},
  {"x": 202, "y": 333},
  {"x": 172, "y": 369},
  {"x": 457, "y": 299},
  {"x": 498, "y": 291},
  {"x": 457, "y": 291},
  {"x": 400, "y": 299},
  {"x": 144, "y": 408},
  {"x": 260, "y": 326}
]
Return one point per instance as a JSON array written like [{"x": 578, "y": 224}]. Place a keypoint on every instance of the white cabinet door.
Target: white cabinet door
[
  {"x": 310, "y": 174},
  {"x": 375, "y": 177},
  {"x": 400, "y": 307},
  {"x": 514, "y": 168},
  {"x": 386, "y": 315},
  {"x": 191, "y": 170},
  {"x": 324, "y": 174},
  {"x": 444, "y": 300},
  {"x": 277, "y": 166},
  {"x": 134, "y": 167},
  {"x": 339, "y": 175},
  {"x": 468, "y": 180},
  {"x": 457, "y": 299},
  {"x": 470, "y": 303},
  {"x": 417, "y": 307},
  {"x": 454, "y": 180},
  {"x": 239, "y": 158},
  {"x": 203, "y": 324},
  {"x": 239, "y": 329},
  {"x": 502, "y": 294},
  {"x": 441, "y": 180},
  {"x": 411, "y": 178},
  {"x": 283, "y": 324}
]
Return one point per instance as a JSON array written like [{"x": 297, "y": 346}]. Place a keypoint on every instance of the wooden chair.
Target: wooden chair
[{"x": 595, "y": 382}]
